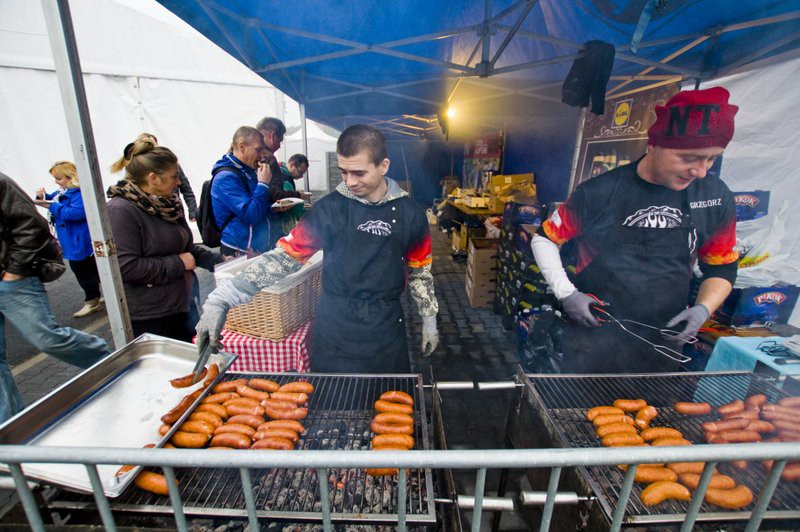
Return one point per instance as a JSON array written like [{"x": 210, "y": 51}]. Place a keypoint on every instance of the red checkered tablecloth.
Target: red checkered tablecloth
[{"x": 257, "y": 355}]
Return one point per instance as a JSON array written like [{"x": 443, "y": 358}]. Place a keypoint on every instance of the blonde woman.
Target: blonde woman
[{"x": 69, "y": 217}]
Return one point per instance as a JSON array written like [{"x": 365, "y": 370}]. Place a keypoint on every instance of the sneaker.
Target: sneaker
[{"x": 89, "y": 307}]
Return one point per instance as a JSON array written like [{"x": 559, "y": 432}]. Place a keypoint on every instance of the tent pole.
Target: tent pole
[
  {"x": 305, "y": 142},
  {"x": 73, "y": 96},
  {"x": 576, "y": 152}
]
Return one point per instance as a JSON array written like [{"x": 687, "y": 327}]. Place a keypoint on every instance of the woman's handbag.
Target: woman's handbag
[{"x": 49, "y": 264}]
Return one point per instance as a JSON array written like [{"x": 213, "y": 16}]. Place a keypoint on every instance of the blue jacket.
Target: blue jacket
[
  {"x": 72, "y": 230},
  {"x": 251, "y": 208}
]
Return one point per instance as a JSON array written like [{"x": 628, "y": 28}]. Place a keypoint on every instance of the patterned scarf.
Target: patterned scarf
[{"x": 168, "y": 209}]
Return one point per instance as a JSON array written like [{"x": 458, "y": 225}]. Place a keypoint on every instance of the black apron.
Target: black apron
[
  {"x": 359, "y": 326},
  {"x": 644, "y": 275}
]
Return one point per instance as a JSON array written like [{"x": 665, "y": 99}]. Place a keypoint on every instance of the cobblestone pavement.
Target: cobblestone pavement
[{"x": 473, "y": 347}]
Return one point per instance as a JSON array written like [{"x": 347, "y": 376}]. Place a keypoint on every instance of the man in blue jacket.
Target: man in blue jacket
[{"x": 240, "y": 195}]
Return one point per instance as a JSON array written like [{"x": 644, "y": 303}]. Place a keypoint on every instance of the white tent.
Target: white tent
[{"x": 144, "y": 70}]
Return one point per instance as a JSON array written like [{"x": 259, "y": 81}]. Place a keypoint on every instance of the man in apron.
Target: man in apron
[
  {"x": 375, "y": 241},
  {"x": 639, "y": 231}
]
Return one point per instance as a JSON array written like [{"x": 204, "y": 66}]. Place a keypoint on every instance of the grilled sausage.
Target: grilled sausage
[
  {"x": 739, "y": 464},
  {"x": 791, "y": 472},
  {"x": 384, "y": 471},
  {"x": 228, "y": 386},
  {"x": 296, "y": 397},
  {"x": 213, "y": 373},
  {"x": 602, "y": 411},
  {"x": 173, "y": 415},
  {"x": 630, "y": 405},
  {"x": 246, "y": 391},
  {"x": 740, "y": 436},
  {"x": 744, "y": 414},
  {"x": 219, "y": 398},
  {"x": 233, "y": 440},
  {"x": 124, "y": 469},
  {"x": 735, "y": 498},
  {"x": 648, "y": 474},
  {"x": 660, "y": 491},
  {"x": 393, "y": 440},
  {"x": 788, "y": 435},
  {"x": 793, "y": 402},
  {"x": 389, "y": 428},
  {"x": 385, "y": 406},
  {"x": 152, "y": 482},
  {"x": 236, "y": 427},
  {"x": 731, "y": 408},
  {"x": 755, "y": 401},
  {"x": 297, "y": 387},
  {"x": 186, "y": 380},
  {"x": 247, "y": 419},
  {"x": 189, "y": 440},
  {"x": 297, "y": 414},
  {"x": 718, "y": 481},
  {"x": 772, "y": 415},
  {"x": 163, "y": 429},
  {"x": 614, "y": 428},
  {"x": 692, "y": 409},
  {"x": 276, "y": 433},
  {"x": 281, "y": 444},
  {"x": 208, "y": 417},
  {"x": 782, "y": 424},
  {"x": 729, "y": 424},
  {"x": 279, "y": 404},
  {"x": 396, "y": 396},
  {"x": 220, "y": 448},
  {"x": 290, "y": 424},
  {"x": 621, "y": 439},
  {"x": 612, "y": 418},
  {"x": 265, "y": 385},
  {"x": 660, "y": 432},
  {"x": 234, "y": 410},
  {"x": 198, "y": 426},
  {"x": 241, "y": 401},
  {"x": 214, "y": 408},
  {"x": 669, "y": 442},
  {"x": 760, "y": 426},
  {"x": 395, "y": 419},
  {"x": 782, "y": 408},
  {"x": 687, "y": 467},
  {"x": 645, "y": 416}
]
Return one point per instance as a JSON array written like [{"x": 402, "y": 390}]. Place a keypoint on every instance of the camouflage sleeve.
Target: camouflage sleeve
[
  {"x": 420, "y": 284},
  {"x": 270, "y": 268}
]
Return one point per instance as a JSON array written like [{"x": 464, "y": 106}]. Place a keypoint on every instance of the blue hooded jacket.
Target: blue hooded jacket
[
  {"x": 69, "y": 217},
  {"x": 251, "y": 208}
]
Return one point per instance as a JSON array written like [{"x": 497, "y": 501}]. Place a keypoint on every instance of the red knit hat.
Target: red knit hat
[{"x": 694, "y": 119}]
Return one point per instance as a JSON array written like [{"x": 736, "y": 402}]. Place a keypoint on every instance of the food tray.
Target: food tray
[{"x": 118, "y": 402}]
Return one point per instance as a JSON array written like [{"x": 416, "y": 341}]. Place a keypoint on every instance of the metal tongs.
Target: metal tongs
[
  {"x": 201, "y": 362},
  {"x": 668, "y": 352}
]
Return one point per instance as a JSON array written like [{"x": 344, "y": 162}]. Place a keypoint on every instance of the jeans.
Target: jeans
[{"x": 25, "y": 305}]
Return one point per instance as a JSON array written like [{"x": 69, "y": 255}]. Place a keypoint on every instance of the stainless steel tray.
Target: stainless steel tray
[{"x": 118, "y": 402}]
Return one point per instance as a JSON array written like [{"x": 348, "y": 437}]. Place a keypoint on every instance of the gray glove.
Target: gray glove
[
  {"x": 694, "y": 317},
  {"x": 215, "y": 311},
  {"x": 430, "y": 335},
  {"x": 579, "y": 307}
]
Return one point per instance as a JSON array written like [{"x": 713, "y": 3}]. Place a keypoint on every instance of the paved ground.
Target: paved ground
[{"x": 473, "y": 347}]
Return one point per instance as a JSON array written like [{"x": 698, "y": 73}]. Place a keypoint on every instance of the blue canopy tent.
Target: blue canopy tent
[{"x": 499, "y": 63}]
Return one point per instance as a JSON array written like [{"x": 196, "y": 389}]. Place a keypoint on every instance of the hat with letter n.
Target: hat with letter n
[{"x": 694, "y": 119}]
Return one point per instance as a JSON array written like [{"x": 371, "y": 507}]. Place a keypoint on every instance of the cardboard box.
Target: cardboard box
[
  {"x": 482, "y": 254},
  {"x": 758, "y": 305},
  {"x": 481, "y": 292},
  {"x": 459, "y": 238},
  {"x": 476, "y": 202},
  {"x": 501, "y": 184}
]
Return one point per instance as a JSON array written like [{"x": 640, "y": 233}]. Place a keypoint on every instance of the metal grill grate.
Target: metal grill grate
[
  {"x": 566, "y": 398},
  {"x": 339, "y": 415}
]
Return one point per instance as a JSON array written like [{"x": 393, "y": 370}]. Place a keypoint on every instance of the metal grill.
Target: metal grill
[
  {"x": 565, "y": 400},
  {"x": 339, "y": 414}
]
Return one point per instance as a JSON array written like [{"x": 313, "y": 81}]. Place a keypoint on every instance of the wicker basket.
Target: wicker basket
[{"x": 277, "y": 311}]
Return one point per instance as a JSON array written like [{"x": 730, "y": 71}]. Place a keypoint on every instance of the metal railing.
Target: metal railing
[{"x": 479, "y": 460}]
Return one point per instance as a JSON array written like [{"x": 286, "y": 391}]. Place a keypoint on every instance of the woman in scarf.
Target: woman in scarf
[{"x": 155, "y": 248}]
